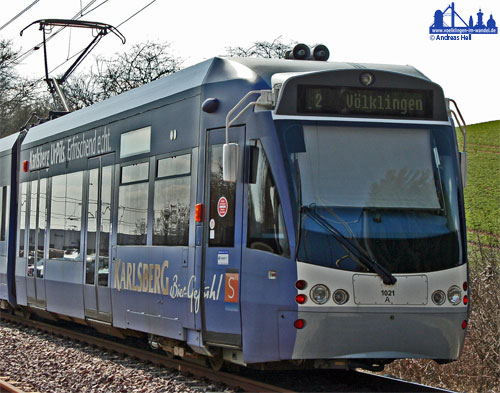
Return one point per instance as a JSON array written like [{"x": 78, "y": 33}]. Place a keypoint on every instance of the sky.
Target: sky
[{"x": 365, "y": 31}]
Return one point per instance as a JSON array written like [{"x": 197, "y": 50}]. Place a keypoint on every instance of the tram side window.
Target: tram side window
[
  {"x": 66, "y": 216},
  {"x": 3, "y": 211},
  {"x": 171, "y": 201},
  {"x": 133, "y": 204},
  {"x": 266, "y": 224},
  {"x": 22, "y": 217}
]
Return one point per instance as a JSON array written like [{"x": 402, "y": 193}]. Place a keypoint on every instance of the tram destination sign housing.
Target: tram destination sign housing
[
  {"x": 340, "y": 93},
  {"x": 363, "y": 102}
]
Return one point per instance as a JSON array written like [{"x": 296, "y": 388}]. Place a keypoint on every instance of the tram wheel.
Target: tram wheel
[{"x": 216, "y": 362}]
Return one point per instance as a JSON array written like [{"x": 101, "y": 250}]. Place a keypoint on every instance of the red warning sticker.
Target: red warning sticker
[{"x": 222, "y": 206}]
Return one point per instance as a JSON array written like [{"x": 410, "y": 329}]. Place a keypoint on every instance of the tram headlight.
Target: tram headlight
[
  {"x": 340, "y": 296},
  {"x": 454, "y": 295},
  {"x": 438, "y": 297},
  {"x": 319, "y": 294}
]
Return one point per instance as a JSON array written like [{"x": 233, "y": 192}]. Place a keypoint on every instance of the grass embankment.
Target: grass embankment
[
  {"x": 478, "y": 369},
  {"x": 482, "y": 194}
]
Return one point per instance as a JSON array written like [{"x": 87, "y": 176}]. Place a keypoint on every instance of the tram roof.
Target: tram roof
[
  {"x": 266, "y": 68},
  {"x": 187, "y": 83},
  {"x": 7, "y": 143}
]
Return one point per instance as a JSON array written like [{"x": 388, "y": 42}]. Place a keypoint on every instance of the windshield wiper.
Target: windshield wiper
[{"x": 351, "y": 247}]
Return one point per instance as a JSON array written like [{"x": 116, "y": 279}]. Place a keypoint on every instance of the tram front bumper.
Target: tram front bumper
[{"x": 379, "y": 334}]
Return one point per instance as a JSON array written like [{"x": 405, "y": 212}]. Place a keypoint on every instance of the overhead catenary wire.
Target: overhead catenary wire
[
  {"x": 36, "y": 47},
  {"x": 77, "y": 16},
  {"x": 29, "y": 52},
  {"x": 25, "y": 55},
  {"x": 18, "y": 15},
  {"x": 138, "y": 12},
  {"x": 82, "y": 14},
  {"x": 79, "y": 52}
]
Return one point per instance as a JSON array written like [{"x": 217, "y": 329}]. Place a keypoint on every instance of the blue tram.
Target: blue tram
[{"x": 292, "y": 213}]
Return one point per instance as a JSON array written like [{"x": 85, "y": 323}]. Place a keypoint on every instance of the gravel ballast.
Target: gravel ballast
[{"x": 41, "y": 362}]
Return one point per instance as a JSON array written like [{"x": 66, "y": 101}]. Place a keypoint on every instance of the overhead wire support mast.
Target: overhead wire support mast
[{"x": 47, "y": 24}]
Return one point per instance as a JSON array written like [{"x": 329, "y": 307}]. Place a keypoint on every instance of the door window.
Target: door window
[
  {"x": 266, "y": 224},
  {"x": 222, "y": 203},
  {"x": 3, "y": 211},
  {"x": 98, "y": 225},
  {"x": 22, "y": 216},
  {"x": 37, "y": 225},
  {"x": 92, "y": 214},
  {"x": 32, "y": 228},
  {"x": 105, "y": 227},
  {"x": 42, "y": 218}
]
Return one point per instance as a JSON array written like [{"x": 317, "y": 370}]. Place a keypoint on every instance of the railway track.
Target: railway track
[
  {"x": 247, "y": 380},
  {"x": 6, "y": 386},
  {"x": 231, "y": 380}
]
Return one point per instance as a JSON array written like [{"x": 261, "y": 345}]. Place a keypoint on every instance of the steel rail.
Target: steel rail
[{"x": 8, "y": 387}]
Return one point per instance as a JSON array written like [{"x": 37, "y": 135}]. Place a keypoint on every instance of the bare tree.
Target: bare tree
[
  {"x": 275, "y": 49},
  {"x": 18, "y": 96},
  {"x": 144, "y": 63}
]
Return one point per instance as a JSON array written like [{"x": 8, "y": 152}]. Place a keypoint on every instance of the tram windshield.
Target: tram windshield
[
  {"x": 368, "y": 168},
  {"x": 391, "y": 191}
]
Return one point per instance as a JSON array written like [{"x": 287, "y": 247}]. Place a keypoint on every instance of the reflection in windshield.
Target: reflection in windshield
[
  {"x": 354, "y": 250},
  {"x": 360, "y": 167},
  {"x": 403, "y": 184},
  {"x": 392, "y": 191}
]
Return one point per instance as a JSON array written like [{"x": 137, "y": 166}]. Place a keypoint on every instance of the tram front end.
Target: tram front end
[{"x": 374, "y": 176}]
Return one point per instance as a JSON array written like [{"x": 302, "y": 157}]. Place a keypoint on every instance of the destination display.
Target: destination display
[{"x": 376, "y": 102}]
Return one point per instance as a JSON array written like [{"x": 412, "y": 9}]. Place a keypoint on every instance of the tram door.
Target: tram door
[
  {"x": 97, "y": 295},
  {"x": 37, "y": 225},
  {"x": 222, "y": 243}
]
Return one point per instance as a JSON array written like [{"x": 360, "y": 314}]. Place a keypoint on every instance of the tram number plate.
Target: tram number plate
[{"x": 408, "y": 290}]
